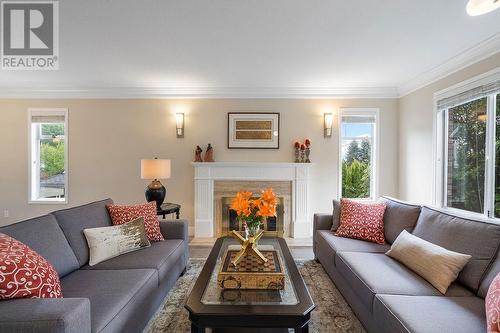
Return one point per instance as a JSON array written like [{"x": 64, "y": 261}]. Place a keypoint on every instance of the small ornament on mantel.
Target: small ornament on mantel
[
  {"x": 209, "y": 154},
  {"x": 297, "y": 152},
  {"x": 197, "y": 154},
  {"x": 308, "y": 150},
  {"x": 302, "y": 151}
]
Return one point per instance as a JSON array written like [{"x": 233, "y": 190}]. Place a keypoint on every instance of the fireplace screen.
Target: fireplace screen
[{"x": 272, "y": 226}]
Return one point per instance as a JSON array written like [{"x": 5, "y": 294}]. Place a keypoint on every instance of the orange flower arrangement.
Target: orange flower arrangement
[{"x": 253, "y": 211}]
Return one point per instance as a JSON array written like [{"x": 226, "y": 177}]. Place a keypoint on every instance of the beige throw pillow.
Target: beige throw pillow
[
  {"x": 439, "y": 266},
  {"x": 109, "y": 242}
]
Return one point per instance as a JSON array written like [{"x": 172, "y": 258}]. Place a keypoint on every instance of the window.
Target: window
[
  {"x": 358, "y": 152},
  {"x": 48, "y": 176},
  {"x": 468, "y": 146}
]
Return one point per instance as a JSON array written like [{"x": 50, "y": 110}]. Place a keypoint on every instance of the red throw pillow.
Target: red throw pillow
[
  {"x": 363, "y": 221},
  {"x": 492, "y": 303},
  {"x": 125, "y": 213},
  {"x": 24, "y": 273}
]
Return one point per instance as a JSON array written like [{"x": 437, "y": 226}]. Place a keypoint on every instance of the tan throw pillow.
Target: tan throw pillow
[
  {"x": 109, "y": 242},
  {"x": 439, "y": 266}
]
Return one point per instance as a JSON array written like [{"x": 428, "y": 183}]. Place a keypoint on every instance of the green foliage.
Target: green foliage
[
  {"x": 53, "y": 129},
  {"x": 356, "y": 170},
  {"x": 52, "y": 159},
  {"x": 467, "y": 141},
  {"x": 355, "y": 179},
  {"x": 360, "y": 152}
]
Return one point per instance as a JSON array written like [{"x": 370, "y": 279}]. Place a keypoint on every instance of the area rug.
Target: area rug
[{"x": 332, "y": 313}]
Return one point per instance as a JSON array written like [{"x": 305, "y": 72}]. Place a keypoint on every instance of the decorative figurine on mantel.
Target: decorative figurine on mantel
[
  {"x": 197, "y": 154},
  {"x": 209, "y": 154},
  {"x": 302, "y": 151},
  {"x": 308, "y": 150},
  {"x": 297, "y": 152}
]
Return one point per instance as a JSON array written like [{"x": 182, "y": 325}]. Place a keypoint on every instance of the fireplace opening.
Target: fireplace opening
[{"x": 272, "y": 226}]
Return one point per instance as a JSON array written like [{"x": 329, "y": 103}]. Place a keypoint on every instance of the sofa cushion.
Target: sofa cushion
[
  {"x": 160, "y": 256},
  {"x": 373, "y": 273},
  {"x": 335, "y": 215},
  {"x": 476, "y": 238},
  {"x": 398, "y": 216},
  {"x": 24, "y": 273},
  {"x": 109, "y": 242},
  {"x": 492, "y": 305},
  {"x": 110, "y": 291},
  {"x": 121, "y": 214},
  {"x": 44, "y": 236},
  {"x": 430, "y": 314},
  {"x": 362, "y": 220},
  {"x": 437, "y": 265},
  {"x": 492, "y": 272},
  {"x": 74, "y": 220},
  {"x": 327, "y": 240}
]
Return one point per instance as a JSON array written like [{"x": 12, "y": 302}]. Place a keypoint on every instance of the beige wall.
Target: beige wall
[
  {"x": 107, "y": 139},
  {"x": 416, "y": 116}
]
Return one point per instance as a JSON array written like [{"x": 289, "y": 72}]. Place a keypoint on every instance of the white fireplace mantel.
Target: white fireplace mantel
[{"x": 205, "y": 174}]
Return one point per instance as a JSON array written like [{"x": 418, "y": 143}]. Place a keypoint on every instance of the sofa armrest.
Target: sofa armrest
[
  {"x": 44, "y": 315},
  {"x": 175, "y": 229},
  {"x": 321, "y": 222}
]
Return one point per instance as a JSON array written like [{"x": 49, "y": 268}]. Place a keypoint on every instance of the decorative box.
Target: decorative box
[{"x": 251, "y": 273}]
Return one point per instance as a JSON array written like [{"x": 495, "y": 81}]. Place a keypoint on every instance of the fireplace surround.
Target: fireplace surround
[{"x": 218, "y": 180}]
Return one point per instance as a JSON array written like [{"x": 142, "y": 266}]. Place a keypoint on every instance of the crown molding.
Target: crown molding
[
  {"x": 198, "y": 92},
  {"x": 468, "y": 57}
]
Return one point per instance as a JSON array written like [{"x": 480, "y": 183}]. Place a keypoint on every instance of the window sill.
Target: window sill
[{"x": 48, "y": 202}]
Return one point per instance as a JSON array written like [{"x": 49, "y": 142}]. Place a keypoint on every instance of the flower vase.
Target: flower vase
[
  {"x": 308, "y": 152},
  {"x": 251, "y": 231},
  {"x": 297, "y": 155}
]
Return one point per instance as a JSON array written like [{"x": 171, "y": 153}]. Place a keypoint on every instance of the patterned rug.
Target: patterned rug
[{"x": 332, "y": 313}]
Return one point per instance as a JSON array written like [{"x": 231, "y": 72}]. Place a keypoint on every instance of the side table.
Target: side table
[{"x": 169, "y": 208}]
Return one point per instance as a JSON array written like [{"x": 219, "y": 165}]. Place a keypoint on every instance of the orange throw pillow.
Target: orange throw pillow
[
  {"x": 363, "y": 221},
  {"x": 24, "y": 273},
  {"x": 121, "y": 214}
]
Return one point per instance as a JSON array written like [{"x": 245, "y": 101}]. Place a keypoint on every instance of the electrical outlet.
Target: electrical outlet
[{"x": 6, "y": 213}]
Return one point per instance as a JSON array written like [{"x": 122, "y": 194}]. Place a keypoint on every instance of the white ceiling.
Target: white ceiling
[{"x": 259, "y": 47}]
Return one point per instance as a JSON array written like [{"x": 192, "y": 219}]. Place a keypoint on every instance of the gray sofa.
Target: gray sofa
[
  {"x": 388, "y": 297},
  {"x": 117, "y": 295}
]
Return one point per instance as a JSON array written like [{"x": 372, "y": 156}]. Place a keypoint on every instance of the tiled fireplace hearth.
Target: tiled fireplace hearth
[{"x": 216, "y": 183}]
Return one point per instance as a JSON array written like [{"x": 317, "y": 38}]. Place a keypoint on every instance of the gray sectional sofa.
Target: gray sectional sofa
[
  {"x": 388, "y": 297},
  {"x": 117, "y": 295}
]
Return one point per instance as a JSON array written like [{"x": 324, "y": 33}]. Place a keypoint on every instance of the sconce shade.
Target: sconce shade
[
  {"x": 328, "y": 118},
  {"x": 155, "y": 169},
  {"x": 480, "y": 7},
  {"x": 179, "y": 124}
]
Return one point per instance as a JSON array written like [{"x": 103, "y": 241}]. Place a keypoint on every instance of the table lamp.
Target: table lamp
[{"x": 155, "y": 169}]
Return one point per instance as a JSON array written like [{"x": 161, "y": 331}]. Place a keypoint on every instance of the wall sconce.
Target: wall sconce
[
  {"x": 328, "y": 118},
  {"x": 179, "y": 124}
]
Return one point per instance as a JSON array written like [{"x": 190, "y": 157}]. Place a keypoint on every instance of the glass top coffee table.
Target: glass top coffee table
[{"x": 233, "y": 310}]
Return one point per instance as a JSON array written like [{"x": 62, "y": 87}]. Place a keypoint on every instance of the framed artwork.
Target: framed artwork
[{"x": 248, "y": 130}]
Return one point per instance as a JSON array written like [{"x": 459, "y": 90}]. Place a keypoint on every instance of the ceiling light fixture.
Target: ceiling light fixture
[{"x": 480, "y": 7}]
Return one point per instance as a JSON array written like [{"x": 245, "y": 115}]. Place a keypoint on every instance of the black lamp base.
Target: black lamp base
[{"x": 156, "y": 192}]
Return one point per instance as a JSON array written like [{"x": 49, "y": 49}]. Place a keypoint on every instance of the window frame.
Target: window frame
[
  {"x": 33, "y": 180},
  {"x": 374, "y": 172},
  {"x": 440, "y": 151}
]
